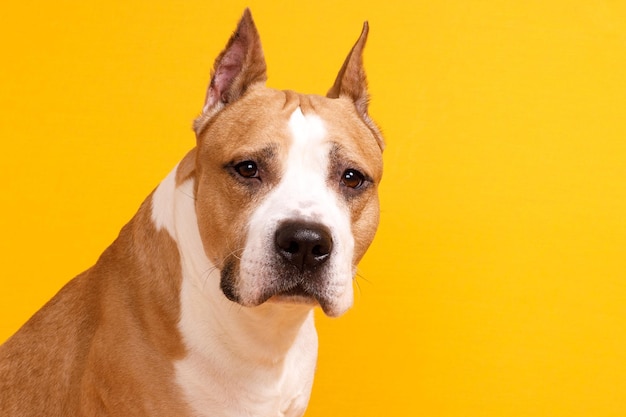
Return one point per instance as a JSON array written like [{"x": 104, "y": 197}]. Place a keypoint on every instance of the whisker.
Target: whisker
[
  {"x": 236, "y": 251},
  {"x": 193, "y": 197},
  {"x": 358, "y": 287},
  {"x": 361, "y": 276},
  {"x": 205, "y": 276}
]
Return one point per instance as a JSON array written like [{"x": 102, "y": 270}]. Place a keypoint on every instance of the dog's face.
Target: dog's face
[{"x": 286, "y": 184}]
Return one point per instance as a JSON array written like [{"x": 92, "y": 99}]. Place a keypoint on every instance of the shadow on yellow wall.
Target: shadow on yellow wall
[{"x": 496, "y": 286}]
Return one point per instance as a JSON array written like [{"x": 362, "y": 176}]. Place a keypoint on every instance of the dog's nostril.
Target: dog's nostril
[
  {"x": 293, "y": 247},
  {"x": 319, "y": 250},
  {"x": 304, "y": 245}
]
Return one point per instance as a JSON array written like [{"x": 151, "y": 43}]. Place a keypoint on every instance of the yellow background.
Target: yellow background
[{"x": 496, "y": 286}]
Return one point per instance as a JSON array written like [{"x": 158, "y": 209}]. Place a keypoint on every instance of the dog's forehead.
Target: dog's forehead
[{"x": 268, "y": 118}]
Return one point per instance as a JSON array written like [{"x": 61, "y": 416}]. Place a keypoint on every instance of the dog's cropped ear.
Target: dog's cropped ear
[
  {"x": 351, "y": 82},
  {"x": 240, "y": 65}
]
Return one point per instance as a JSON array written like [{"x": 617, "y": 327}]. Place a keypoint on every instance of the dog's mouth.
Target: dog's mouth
[
  {"x": 296, "y": 295},
  {"x": 305, "y": 289},
  {"x": 297, "y": 291}
]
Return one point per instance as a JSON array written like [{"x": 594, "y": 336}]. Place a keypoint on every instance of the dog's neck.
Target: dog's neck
[{"x": 262, "y": 334}]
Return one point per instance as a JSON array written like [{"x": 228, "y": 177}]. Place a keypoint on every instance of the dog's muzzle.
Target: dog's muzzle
[{"x": 297, "y": 268}]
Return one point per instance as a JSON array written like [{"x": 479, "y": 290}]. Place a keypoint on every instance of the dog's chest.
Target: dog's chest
[
  {"x": 229, "y": 386},
  {"x": 286, "y": 397}
]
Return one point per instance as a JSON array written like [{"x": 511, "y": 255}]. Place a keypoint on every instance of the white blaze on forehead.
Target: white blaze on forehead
[
  {"x": 306, "y": 129},
  {"x": 306, "y": 168}
]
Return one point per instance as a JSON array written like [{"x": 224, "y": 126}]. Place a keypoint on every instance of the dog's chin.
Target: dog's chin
[
  {"x": 293, "y": 295},
  {"x": 297, "y": 295},
  {"x": 302, "y": 296},
  {"x": 292, "y": 299}
]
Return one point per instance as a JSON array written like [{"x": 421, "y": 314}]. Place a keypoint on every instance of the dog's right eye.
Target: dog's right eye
[
  {"x": 247, "y": 169},
  {"x": 352, "y": 178}
]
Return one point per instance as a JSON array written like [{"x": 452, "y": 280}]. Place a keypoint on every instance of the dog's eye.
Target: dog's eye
[
  {"x": 247, "y": 169},
  {"x": 352, "y": 178}
]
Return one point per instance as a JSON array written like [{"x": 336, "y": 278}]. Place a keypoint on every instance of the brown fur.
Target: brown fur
[{"x": 107, "y": 339}]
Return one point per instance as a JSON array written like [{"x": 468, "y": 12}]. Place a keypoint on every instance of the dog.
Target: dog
[{"x": 203, "y": 305}]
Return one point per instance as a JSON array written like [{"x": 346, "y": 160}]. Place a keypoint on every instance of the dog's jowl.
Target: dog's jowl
[{"x": 203, "y": 306}]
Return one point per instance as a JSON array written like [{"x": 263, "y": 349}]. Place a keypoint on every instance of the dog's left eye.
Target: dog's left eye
[
  {"x": 352, "y": 178},
  {"x": 247, "y": 169}
]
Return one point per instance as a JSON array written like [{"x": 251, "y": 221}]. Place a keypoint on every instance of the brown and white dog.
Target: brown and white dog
[{"x": 203, "y": 306}]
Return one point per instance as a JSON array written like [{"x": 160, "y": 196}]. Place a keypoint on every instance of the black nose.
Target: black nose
[{"x": 305, "y": 245}]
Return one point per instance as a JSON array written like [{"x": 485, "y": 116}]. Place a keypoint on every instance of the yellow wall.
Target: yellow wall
[{"x": 496, "y": 286}]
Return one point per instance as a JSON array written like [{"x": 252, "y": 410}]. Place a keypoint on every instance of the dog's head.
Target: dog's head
[{"x": 286, "y": 184}]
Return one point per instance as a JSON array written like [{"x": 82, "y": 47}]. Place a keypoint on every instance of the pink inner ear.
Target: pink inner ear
[
  {"x": 228, "y": 69},
  {"x": 240, "y": 65}
]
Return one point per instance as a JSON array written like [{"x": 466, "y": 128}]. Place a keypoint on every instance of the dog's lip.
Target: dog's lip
[
  {"x": 300, "y": 295},
  {"x": 293, "y": 299},
  {"x": 297, "y": 290},
  {"x": 296, "y": 294}
]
